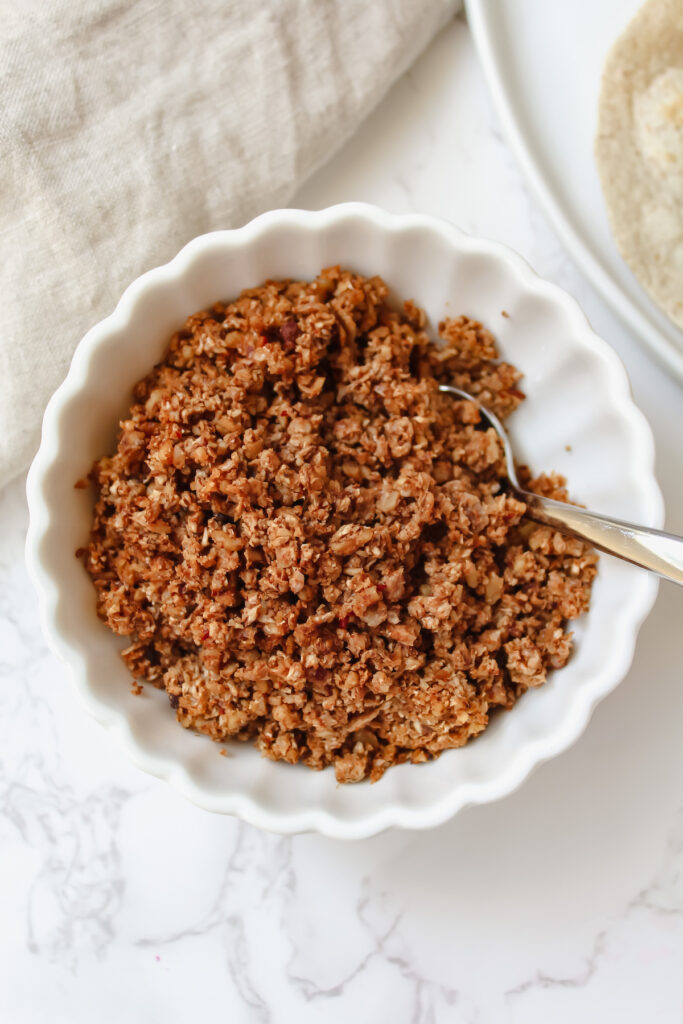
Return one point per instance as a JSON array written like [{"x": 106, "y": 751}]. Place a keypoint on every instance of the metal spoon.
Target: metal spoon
[{"x": 651, "y": 549}]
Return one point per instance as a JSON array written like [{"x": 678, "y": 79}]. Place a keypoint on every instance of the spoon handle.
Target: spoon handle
[{"x": 651, "y": 549}]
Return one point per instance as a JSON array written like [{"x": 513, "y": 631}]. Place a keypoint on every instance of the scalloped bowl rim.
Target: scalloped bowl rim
[{"x": 317, "y": 819}]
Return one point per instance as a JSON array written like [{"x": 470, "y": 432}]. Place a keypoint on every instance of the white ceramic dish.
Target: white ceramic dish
[
  {"x": 578, "y": 395},
  {"x": 543, "y": 62}
]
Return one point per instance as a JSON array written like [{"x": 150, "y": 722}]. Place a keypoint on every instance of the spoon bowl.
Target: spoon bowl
[{"x": 655, "y": 550}]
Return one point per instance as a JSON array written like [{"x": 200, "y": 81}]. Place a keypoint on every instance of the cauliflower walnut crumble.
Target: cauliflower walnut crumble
[{"x": 312, "y": 548}]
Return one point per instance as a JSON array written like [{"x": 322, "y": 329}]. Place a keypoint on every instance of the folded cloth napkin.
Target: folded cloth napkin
[{"x": 129, "y": 126}]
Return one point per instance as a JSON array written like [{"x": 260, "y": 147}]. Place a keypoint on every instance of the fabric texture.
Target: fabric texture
[{"x": 129, "y": 127}]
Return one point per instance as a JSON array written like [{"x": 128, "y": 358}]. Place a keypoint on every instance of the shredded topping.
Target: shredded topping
[{"x": 312, "y": 548}]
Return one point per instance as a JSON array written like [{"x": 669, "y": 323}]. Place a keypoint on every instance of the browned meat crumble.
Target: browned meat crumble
[{"x": 311, "y": 548}]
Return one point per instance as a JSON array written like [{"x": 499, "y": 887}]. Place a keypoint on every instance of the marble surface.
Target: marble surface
[{"x": 564, "y": 902}]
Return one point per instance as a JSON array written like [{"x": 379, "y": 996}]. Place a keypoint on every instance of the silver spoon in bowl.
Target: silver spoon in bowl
[{"x": 655, "y": 550}]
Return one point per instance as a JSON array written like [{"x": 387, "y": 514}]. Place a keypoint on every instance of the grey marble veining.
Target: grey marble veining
[{"x": 119, "y": 901}]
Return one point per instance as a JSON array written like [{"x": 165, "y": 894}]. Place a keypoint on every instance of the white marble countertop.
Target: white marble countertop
[{"x": 564, "y": 902}]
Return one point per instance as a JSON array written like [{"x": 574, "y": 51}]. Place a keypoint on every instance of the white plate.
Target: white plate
[
  {"x": 578, "y": 395},
  {"x": 543, "y": 61}
]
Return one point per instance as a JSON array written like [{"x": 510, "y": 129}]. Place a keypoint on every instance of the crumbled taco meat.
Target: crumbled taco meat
[{"x": 311, "y": 548}]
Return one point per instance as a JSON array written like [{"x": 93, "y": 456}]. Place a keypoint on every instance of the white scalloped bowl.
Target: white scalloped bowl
[{"x": 578, "y": 396}]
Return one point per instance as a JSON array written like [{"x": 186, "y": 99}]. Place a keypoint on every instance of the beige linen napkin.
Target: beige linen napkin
[{"x": 129, "y": 127}]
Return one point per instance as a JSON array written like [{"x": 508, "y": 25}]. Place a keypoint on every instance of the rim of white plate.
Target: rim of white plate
[{"x": 481, "y": 20}]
